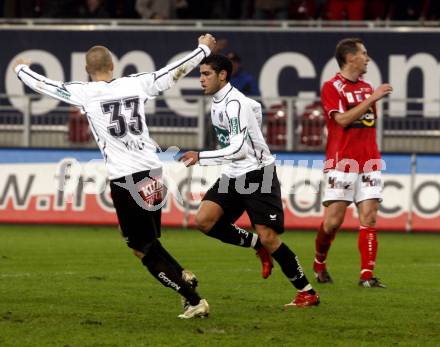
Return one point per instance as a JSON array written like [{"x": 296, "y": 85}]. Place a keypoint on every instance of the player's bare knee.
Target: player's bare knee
[
  {"x": 368, "y": 219},
  {"x": 204, "y": 223},
  {"x": 269, "y": 238},
  {"x": 332, "y": 223}
]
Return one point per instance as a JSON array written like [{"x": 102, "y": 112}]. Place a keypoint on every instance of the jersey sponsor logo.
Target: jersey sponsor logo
[
  {"x": 367, "y": 120},
  {"x": 222, "y": 136},
  {"x": 63, "y": 93},
  {"x": 235, "y": 127},
  {"x": 273, "y": 217}
]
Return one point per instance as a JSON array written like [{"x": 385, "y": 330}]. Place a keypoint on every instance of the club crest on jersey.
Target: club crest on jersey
[{"x": 222, "y": 136}]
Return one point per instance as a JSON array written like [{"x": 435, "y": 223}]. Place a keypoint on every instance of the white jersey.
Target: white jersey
[
  {"x": 115, "y": 110},
  {"x": 237, "y": 123}
]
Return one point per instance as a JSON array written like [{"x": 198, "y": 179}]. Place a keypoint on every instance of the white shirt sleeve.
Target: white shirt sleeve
[
  {"x": 257, "y": 111},
  {"x": 237, "y": 148},
  {"x": 163, "y": 79},
  {"x": 71, "y": 93}
]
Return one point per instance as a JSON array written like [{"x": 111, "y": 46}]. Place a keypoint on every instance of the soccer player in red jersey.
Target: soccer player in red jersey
[{"x": 353, "y": 162}]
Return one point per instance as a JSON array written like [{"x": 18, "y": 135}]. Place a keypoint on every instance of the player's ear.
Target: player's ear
[{"x": 222, "y": 75}]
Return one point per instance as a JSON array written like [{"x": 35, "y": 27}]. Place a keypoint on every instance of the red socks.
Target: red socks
[
  {"x": 367, "y": 243},
  {"x": 322, "y": 245}
]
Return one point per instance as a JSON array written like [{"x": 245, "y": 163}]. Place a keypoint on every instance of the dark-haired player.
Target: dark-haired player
[{"x": 249, "y": 181}]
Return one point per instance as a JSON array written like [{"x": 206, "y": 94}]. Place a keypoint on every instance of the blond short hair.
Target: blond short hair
[{"x": 98, "y": 59}]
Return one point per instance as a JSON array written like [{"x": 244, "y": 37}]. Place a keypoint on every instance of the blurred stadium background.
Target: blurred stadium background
[{"x": 285, "y": 46}]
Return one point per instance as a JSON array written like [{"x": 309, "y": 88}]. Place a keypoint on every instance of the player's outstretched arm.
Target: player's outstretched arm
[
  {"x": 168, "y": 76},
  {"x": 42, "y": 84}
]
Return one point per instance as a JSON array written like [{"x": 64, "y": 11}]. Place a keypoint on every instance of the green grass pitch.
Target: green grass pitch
[{"x": 80, "y": 286}]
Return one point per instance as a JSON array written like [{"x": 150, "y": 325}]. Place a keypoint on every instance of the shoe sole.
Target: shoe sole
[
  {"x": 290, "y": 305},
  {"x": 206, "y": 315}
]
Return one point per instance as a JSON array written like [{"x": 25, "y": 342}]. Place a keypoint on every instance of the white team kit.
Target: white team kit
[
  {"x": 237, "y": 123},
  {"x": 116, "y": 112},
  {"x": 247, "y": 162}
]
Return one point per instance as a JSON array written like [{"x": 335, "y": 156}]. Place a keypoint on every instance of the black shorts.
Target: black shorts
[
  {"x": 263, "y": 205},
  {"x": 139, "y": 214}
]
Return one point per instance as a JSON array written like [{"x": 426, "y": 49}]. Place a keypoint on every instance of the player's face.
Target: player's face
[
  {"x": 361, "y": 59},
  {"x": 209, "y": 80}
]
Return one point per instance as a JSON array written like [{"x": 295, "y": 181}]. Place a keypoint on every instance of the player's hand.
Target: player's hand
[
  {"x": 189, "y": 158},
  {"x": 381, "y": 91},
  {"x": 208, "y": 40},
  {"x": 21, "y": 61}
]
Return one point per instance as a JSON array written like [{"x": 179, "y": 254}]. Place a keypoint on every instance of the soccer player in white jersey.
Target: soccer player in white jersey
[
  {"x": 115, "y": 111},
  {"x": 249, "y": 181}
]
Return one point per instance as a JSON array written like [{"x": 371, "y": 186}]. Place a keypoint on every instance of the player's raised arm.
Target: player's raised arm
[
  {"x": 44, "y": 85},
  {"x": 168, "y": 76},
  {"x": 348, "y": 117}
]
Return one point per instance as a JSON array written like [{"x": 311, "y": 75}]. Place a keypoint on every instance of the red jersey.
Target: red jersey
[{"x": 357, "y": 141}]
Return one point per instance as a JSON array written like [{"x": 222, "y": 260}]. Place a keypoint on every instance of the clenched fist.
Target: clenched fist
[
  {"x": 207, "y": 40},
  {"x": 21, "y": 61}
]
